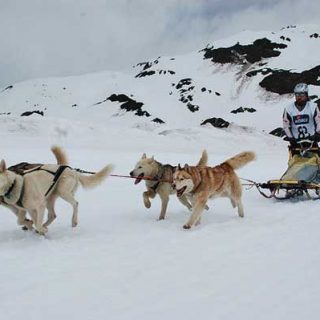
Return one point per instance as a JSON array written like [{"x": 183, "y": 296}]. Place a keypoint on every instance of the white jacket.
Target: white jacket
[{"x": 301, "y": 124}]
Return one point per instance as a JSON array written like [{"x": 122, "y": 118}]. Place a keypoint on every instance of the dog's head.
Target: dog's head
[
  {"x": 4, "y": 178},
  {"x": 145, "y": 167},
  {"x": 182, "y": 180}
]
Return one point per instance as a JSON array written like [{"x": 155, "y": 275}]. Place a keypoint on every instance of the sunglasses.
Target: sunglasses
[{"x": 301, "y": 94}]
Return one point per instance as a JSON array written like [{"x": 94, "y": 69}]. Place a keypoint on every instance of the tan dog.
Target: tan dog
[
  {"x": 62, "y": 159},
  {"x": 201, "y": 183},
  {"x": 162, "y": 184},
  {"x": 31, "y": 192}
]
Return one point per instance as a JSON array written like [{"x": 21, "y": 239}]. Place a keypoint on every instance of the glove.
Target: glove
[
  {"x": 317, "y": 137},
  {"x": 289, "y": 139},
  {"x": 312, "y": 138}
]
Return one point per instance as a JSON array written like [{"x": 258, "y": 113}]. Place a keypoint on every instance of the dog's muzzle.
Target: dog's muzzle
[
  {"x": 138, "y": 179},
  {"x": 181, "y": 191}
]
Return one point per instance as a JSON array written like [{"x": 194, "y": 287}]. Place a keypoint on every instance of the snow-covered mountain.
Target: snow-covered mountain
[
  {"x": 120, "y": 263},
  {"x": 246, "y": 80}
]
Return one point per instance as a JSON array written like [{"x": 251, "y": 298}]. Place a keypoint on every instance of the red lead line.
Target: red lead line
[{"x": 142, "y": 178}]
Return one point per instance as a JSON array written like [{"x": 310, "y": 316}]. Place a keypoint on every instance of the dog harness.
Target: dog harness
[
  {"x": 160, "y": 175},
  {"x": 24, "y": 168}
]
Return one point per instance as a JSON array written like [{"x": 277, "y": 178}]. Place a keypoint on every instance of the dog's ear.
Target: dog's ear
[
  {"x": 179, "y": 167},
  {"x": 185, "y": 167},
  {"x": 2, "y": 166},
  {"x": 144, "y": 156}
]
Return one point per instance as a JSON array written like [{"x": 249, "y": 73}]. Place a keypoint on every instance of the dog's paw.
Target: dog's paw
[
  {"x": 28, "y": 224},
  {"x": 147, "y": 203},
  {"x": 74, "y": 224},
  {"x": 42, "y": 231},
  {"x": 187, "y": 226}
]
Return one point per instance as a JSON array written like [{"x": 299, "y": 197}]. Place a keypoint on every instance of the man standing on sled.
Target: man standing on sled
[
  {"x": 301, "y": 124},
  {"x": 301, "y": 119}
]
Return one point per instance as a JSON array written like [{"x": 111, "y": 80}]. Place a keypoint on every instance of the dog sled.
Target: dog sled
[{"x": 302, "y": 178}]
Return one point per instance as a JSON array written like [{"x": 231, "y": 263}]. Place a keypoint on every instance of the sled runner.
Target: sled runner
[{"x": 288, "y": 189}]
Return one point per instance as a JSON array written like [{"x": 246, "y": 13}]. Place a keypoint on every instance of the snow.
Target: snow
[{"x": 121, "y": 262}]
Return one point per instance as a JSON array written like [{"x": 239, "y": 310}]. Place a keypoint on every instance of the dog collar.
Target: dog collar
[{"x": 7, "y": 194}]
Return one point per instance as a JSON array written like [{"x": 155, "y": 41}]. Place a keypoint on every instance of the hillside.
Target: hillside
[{"x": 244, "y": 80}]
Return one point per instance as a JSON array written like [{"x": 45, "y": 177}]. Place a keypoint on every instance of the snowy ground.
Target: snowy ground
[{"x": 121, "y": 263}]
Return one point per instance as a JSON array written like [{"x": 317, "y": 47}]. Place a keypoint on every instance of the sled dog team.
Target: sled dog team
[{"x": 33, "y": 188}]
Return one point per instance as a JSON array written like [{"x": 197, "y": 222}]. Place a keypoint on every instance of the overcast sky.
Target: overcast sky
[{"x": 41, "y": 38}]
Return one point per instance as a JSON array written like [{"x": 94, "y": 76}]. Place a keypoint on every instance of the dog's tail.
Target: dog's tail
[
  {"x": 241, "y": 159},
  {"x": 95, "y": 179},
  {"x": 204, "y": 159},
  {"x": 60, "y": 155}
]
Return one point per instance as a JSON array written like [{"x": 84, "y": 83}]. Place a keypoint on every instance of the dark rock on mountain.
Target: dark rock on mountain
[
  {"x": 192, "y": 107},
  {"x": 29, "y": 113},
  {"x": 118, "y": 98},
  {"x": 241, "y": 54},
  {"x": 158, "y": 120},
  {"x": 217, "y": 122},
  {"x": 278, "y": 132},
  {"x": 241, "y": 109},
  {"x": 129, "y": 104},
  {"x": 183, "y": 82},
  {"x": 7, "y": 88},
  {"x": 145, "y": 73},
  {"x": 284, "y": 38},
  {"x": 151, "y": 72},
  {"x": 283, "y": 81}
]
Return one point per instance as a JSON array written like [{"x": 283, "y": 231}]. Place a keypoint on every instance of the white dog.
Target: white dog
[
  {"x": 20, "y": 212},
  {"x": 38, "y": 189}
]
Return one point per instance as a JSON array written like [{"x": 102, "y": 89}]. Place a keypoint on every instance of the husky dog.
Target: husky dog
[
  {"x": 61, "y": 158},
  {"x": 39, "y": 187},
  {"x": 201, "y": 183},
  {"x": 160, "y": 182}
]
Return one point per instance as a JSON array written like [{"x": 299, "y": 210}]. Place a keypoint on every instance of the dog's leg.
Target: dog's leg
[
  {"x": 51, "y": 213},
  {"x": 23, "y": 221},
  {"x": 240, "y": 208},
  {"x": 164, "y": 204},
  {"x": 21, "y": 217},
  {"x": 185, "y": 202},
  {"x": 235, "y": 198},
  {"x": 146, "y": 195},
  {"x": 37, "y": 217},
  {"x": 198, "y": 222},
  {"x": 192, "y": 203},
  {"x": 70, "y": 199},
  {"x": 198, "y": 208}
]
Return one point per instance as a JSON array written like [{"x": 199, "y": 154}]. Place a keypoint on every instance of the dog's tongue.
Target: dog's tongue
[
  {"x": 139, "y": 178},
  {"x": 181, "y": 191}
]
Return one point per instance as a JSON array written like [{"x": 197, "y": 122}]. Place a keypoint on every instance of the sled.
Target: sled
[
  {"x": 301, "y": 179},
  {"x": 288, "y": 189}
]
